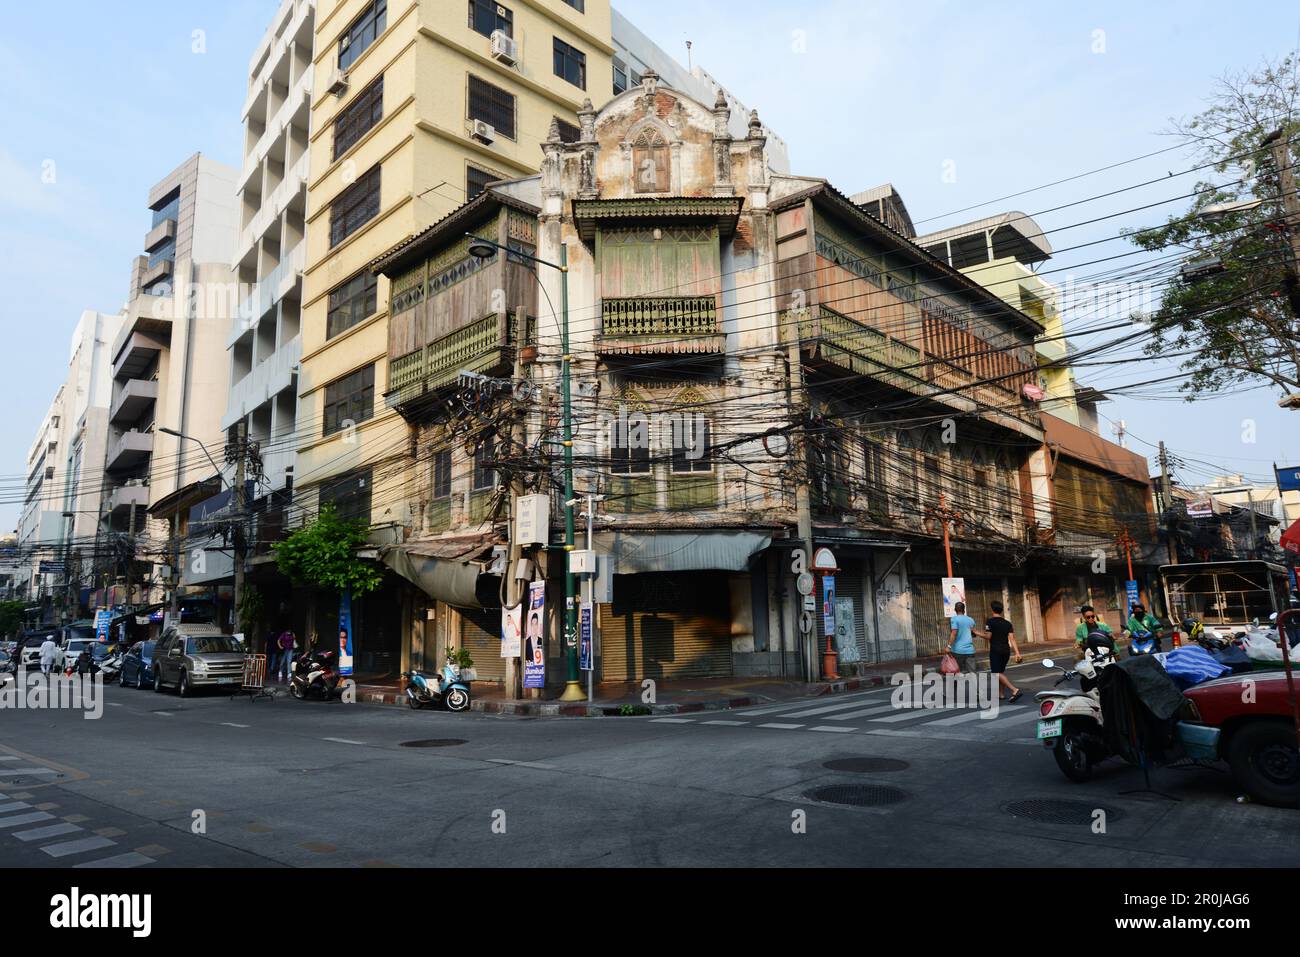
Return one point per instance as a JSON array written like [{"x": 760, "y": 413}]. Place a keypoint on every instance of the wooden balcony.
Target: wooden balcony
[
  {"x": 479, "y": 347},
  {"x": 660, "y": 324},
  {"x": 855, "y": 347}
]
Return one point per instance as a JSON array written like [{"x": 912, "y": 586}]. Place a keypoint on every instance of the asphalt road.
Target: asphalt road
[{"x": 289, "y": 783}]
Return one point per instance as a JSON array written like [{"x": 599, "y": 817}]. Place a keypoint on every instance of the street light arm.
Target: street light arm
[
  {"x": 515, "y": 252},
  {"x": 190, "y": 438}
]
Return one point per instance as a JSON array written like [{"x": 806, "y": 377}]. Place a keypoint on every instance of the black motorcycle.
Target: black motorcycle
[{"x": 314, "y": 675}]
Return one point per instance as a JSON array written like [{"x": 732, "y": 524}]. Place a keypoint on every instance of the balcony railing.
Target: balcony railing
[
  {"x": 475, "y": 348},
  {"x": 674, "y": 323},
  {"x": 856, "y": 347}
]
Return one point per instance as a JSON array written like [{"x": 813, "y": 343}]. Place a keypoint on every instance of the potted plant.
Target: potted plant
[{"x": 461, "y": 658}]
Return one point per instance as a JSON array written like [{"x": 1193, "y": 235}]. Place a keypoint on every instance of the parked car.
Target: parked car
[
  {"x": 137, "y": 665},
  {"x": 32, "y": 650},
  {"x": 190, "y": 656},
  {"x": 1257, "y": 737}
]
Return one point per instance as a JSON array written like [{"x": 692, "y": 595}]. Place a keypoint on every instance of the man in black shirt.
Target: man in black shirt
[{"x": 1002, "y": 643}]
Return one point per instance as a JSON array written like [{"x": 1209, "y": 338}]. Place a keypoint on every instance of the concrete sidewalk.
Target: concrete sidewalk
[{"x": 685, "y": 695}]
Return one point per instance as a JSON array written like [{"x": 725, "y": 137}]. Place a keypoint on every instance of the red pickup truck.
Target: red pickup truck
[{"x": 1246, "y": 720}]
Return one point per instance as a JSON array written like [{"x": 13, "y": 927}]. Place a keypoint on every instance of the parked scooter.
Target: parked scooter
[
  {"x": 445, "y": 688},
  {"x": 314, "y": 676},
  {"x": 1070, "y": 722}
]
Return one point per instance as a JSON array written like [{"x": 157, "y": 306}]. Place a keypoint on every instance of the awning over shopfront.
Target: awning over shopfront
[
  {"x": 445, "y": 569},
  {"x": 663, "y": 551}
]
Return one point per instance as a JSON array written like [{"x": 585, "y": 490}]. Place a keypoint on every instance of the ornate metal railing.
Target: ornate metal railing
[
  {"x": 668, "y": 316},
  {"x": 476, "y": 347}
]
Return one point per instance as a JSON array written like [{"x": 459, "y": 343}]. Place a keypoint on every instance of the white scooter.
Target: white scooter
[{"x": 1070, "y": 722}]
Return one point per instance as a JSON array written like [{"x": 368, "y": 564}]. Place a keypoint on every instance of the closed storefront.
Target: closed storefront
[
  {"x": 666, "y": 625},
  {"x": 928, "y": 622},
  {"x": 851, "y": 611},
  {"x": 480, "y": 635},
  {"x": 932, "y": 628}
]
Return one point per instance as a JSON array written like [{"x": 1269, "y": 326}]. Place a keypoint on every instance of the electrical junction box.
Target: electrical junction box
[
  {"x": 533, "y": 519},
  {"x": 582, "y": 562}
]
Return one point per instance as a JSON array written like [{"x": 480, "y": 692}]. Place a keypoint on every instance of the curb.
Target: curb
[{"x": 557, "y": 709}]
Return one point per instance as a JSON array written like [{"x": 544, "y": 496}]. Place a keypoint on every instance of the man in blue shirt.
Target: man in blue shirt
[{"x": 960, "y": 644}]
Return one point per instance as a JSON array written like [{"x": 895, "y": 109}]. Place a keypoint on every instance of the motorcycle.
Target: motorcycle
[
  {"x": 314, "y": 675},
  {"x": 445, "y": 688},
  {"x": 1070, "y": 722},
  {"x": 1141, "y": 643}
]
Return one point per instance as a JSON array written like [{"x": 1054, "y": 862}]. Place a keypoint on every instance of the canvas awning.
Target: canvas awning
[
  {"x": 1291, "y": 538},
  {"x": 665, "y": 551},
  {"x": 445, "y": 569}
]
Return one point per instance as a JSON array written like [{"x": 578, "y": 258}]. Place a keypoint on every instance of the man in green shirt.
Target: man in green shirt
[
  {"x": 1091, "y": 622},
  {"x": 1141, "y": 620}
]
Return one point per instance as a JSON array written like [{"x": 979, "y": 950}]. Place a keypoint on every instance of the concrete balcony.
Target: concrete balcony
[
  {"x": 128, "y": 496},
  {"x": 160, "y": 234},
  {"x": 276, "y": 125},
  {"x": 267, "y": 380},
  {"x": 137, "y": 351},
  {"x": 136, "y": 397},
  {"x": 268, "y": 214},
  {"x": 268, "y": 292},
  {"x": 131, "y": 449},
  {"x": 161, "y": 271}
]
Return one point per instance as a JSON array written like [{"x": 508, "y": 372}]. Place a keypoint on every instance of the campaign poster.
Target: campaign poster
[
  {"x": 954, "y": 591},
  {"x": 584, "y": 637},
  {"x": 345, "y": 632},
  {"x": 512, "y": 620},
  {"x": 828, "y": 604},
  {"x": 535, "y": 637}
]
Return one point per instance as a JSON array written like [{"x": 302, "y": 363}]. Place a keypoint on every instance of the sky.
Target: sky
[{"x": 956, "y": 104}]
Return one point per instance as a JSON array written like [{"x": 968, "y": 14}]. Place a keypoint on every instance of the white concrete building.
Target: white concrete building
[{"x": 41, "y": 529}]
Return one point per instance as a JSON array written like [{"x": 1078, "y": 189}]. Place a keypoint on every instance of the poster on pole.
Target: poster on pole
[
  {"x": 102, "y": 617},
  {"x": 828, "y": 604},
  {"x": 954, "y": 591},
  {"x": 345, "y": 632},
  {"x": 584, "y": 637},
  {"x": 535, "y": 637},
  {"x": 1131, "y": 590},
  {"x": 512, "y": 631}
]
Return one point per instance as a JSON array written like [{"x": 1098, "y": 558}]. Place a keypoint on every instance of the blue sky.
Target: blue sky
[{"x": 1001, "y": 97}]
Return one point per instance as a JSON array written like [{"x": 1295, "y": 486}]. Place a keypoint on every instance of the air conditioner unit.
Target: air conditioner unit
[
  {"x": 483, "y": 132},
  {"x": 503, "y": 48},
  {"x": 338, "y": 84}
]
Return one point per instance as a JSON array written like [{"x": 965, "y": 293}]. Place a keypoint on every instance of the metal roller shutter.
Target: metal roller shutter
[
  {"x": 480, "y": 635},
  {"x": 1016, "y": 611},
  {"x": 667, "y": 626},
  {"x": 849, "y": 584},
  {"x": 928, "y": 623}
]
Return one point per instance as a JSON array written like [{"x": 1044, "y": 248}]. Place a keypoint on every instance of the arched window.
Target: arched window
[{"x": 650, "y": 162}]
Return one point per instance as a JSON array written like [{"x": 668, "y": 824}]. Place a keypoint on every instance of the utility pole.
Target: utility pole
[
  {"x": 1286, "y": 184},
  {"x": 518, "y": 437},
  {"x": 802, "y": 494},
  {"x": 1254, "y": 535},
  {"x": 130, "y": 561},
  {"x": 237, "y": 506},
  {"x": 1167, "y": 504},
  {"x": 945, "y": 516}
]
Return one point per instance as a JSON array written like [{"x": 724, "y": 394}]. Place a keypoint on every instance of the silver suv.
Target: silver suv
[{"x": 190, "y": 656}]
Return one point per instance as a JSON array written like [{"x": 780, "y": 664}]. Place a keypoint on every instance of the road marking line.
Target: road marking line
[
  {"x": 522, "y": 764},
  {"x": 911, "y": 714},
  {"x": 825, "y": 710},
  {"x": 672, "y": 720},
  {"x": 974, "y": 715},
  {"x": 343, "y": 741},
  {"x": 8, "y": 757},
  {"x": 165, "y": 714},
  {"x": 1032, "y": 715},
  {"x": 131, "y": 859},
  {"x": 15, "y": 772},
  {"x": 66, "y": 848},
  {"x": 863, "y": 713},
  {"x": 231, "y": 724},
  {"x": 31, "y": 818},
  {"x": 16, "y": 806},
  {"x": 790, "y": 705},
  {"x": 781, "y": 727},
  {"x": 729, "y": 724},
  {"x": 115, "y": 704},
  {"x": 52, "y": 830},
  {"x": 830, "y": 727}
]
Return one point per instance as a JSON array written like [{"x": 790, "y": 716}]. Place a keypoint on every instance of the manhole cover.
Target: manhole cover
[
  {"x": 857, "y": 795},
  {"x": 1058, "y": 811},
  {"x": 866, "y": 765},
  {"x": 433, "y": 743}
]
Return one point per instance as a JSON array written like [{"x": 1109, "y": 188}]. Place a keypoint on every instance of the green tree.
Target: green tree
[
  {"x": 324, "y": 553},
  {"x": 1236, "y": 311},
  {"x": 11, "y": 616}
]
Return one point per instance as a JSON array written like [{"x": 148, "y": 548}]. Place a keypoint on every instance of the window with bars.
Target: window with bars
[
  {"x": 570, "y": 64},
  {"x": 486, "y": 16},
  {"x": 485, "y": 475},
  {"x": 358, "y": 117},
  {"x": 441, "y": 474},
  {"x": 691, "y": 445},
  {"x": 568, "y": 132},
  {"x": 476, "y": 180},
  {"x": 350, "y": 400},
  {"x": 492, "y": 105},
  {"x": 363, "y": 31},
  {"x": 629, "y": 449},
  {"x": 354, "y": 207},
  {"x": 351, "y": 303}
]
